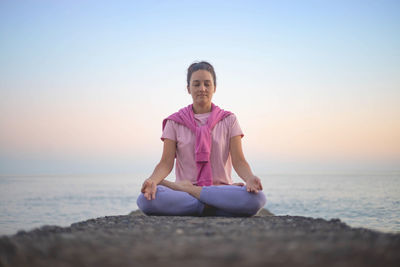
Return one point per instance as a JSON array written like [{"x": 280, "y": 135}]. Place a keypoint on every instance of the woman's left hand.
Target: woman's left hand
[{"x": 253, "y": 184}]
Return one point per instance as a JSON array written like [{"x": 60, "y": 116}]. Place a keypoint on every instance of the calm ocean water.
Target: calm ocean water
[{"x": 360, "y": 200}]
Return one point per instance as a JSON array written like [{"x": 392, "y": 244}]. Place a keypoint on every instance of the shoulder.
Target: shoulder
[
  {"x": 171, "y": 123},
  {"x": 228, "y": 122},
  {"x": 230, "y": 119}
]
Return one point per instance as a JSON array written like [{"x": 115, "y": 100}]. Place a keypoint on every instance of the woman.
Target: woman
[{"x": 206, "y": 142}]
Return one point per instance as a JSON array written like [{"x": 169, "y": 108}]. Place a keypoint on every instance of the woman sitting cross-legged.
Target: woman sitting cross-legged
[{"x": 206, "y": 142}]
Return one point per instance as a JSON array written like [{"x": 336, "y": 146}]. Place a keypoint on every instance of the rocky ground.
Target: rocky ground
[{"x": 140, "y": 240}]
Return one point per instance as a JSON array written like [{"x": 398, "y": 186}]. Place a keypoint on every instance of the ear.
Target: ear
[{"x": 188, "y": 88}]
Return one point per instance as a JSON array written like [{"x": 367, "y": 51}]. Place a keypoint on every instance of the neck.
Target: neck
[{"x": 199, "y": 109}]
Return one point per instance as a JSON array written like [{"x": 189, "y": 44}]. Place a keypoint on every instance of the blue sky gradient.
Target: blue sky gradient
[{"x": 84, "y": 85}]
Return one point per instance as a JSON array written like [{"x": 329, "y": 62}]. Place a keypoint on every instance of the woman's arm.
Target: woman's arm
[
  {"x": 166, "y": 164},
  {"x": 242, "y": 168},
  {"x": 163, "y": 168}
]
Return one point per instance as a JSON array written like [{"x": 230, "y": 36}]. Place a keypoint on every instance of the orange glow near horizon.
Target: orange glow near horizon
[{"x": 121, "y": 132}]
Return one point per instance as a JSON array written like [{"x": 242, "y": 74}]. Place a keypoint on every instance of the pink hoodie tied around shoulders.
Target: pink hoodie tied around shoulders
[{"x": 185, "y": 116}]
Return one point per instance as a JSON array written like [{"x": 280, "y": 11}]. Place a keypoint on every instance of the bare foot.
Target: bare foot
[
  {"x": 184, "y": 185},
  {"x": 169, "y": 184},
  {"x": 178, "y": 186}
]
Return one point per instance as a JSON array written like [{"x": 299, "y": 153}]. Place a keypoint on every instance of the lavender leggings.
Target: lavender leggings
[{"x": 226, "y": 200}]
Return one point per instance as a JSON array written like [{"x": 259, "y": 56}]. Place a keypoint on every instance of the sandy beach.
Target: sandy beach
[{"x": 139, "y": 240}]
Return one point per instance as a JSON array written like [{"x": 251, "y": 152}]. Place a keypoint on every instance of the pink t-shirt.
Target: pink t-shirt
[{"x": 221, "y": 163}]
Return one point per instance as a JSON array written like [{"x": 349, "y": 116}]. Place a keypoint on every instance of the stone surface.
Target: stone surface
[{"x": 140, "y": 240}]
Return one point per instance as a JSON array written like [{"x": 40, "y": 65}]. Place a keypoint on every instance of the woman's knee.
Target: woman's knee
[
  {"x": 151, "y": 206},
  {"x": 145, "y": 205},
  {"x": 169, "y": 202},
  {"x": 254, "y": 202}
]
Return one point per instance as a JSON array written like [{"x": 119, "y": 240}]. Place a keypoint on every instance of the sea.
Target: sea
[{"x": 368, "y": 200}]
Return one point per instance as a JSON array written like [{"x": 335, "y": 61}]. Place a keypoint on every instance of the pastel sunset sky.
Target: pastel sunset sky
[{"x": 85, "y": 85}]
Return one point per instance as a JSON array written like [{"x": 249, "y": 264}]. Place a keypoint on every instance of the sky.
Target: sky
[{"x": 85, "y": 85}]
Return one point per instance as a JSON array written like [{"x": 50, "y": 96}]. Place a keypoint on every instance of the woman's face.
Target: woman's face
[{"x": 201, "y": 87}]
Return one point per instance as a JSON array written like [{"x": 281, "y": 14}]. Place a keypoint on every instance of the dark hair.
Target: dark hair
[{"x": 203, "y": 65}]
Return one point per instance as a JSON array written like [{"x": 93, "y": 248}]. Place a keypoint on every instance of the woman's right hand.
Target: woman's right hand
[{"x": 149, "y": 189}]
